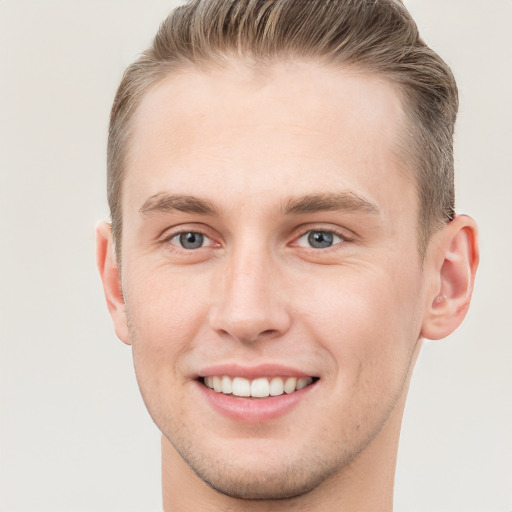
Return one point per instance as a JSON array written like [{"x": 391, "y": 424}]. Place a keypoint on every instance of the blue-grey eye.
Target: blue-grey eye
[
  {"x": 319, "y": 239},
  {"x": 189, "y": 240}
]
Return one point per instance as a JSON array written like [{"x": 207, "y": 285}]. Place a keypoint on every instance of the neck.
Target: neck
[{"x": 364, "y": 485}]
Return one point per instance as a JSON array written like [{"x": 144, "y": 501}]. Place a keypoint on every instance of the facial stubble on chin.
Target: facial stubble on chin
[{"x": 294, "y": 478}]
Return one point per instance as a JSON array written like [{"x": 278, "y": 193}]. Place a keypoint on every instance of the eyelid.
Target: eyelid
[
  {"x": 169, "y": 233},
  {"x": 206, "y": 239},
  {"x": 335, "y": 243},
  {"x": 345, "y": 234}
]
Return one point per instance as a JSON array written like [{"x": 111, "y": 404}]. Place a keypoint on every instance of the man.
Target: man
[{"x": 283, "y": 237}]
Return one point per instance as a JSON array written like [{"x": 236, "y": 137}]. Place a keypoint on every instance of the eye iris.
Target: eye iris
[
  {"x": 320, "y": 239},
  {"x": 191, "y": 240}
]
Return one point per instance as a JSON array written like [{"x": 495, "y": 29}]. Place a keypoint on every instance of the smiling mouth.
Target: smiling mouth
[{"x": 261, "y": 387}]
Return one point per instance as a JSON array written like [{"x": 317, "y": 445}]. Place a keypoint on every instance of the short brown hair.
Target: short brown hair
[{"x": 379, "y": 36}]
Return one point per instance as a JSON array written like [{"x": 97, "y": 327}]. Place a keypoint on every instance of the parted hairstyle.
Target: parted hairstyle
[{"x": 376, "y": 36}]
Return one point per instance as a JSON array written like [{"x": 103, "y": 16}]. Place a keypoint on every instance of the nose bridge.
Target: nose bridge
[{"x": 250, "y": 303}]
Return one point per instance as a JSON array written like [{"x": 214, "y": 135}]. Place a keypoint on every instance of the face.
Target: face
[{"x": 270, "y": 253}]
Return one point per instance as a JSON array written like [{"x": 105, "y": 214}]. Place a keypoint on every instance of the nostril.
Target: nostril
[{"x": 269, "y": 333}]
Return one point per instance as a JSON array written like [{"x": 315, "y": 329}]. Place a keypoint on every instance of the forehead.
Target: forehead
[{"x": 243, "y": 130}]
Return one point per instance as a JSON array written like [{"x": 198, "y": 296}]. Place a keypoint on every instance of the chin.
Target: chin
[
  {"x": 257, "y": 478},
  {"x": 261, "y": 485}
]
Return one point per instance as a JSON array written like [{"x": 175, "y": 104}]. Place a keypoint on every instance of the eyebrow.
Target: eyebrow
[
  {"x": 164, "y": 203},
  {"x": 339, "y": 201},
  {"x": 311, "y": 203}
]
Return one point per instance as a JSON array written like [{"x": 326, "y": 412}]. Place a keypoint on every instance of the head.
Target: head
[
  {"x": 281, "y": 189},
  {"x": 379, "y": 38}
]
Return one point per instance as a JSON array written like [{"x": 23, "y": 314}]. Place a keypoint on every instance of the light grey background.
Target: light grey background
[{"x": 74, "y": 433}]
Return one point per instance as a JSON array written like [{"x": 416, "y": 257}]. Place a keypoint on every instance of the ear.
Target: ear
[
  {"x": 452, "y": 259},
  {"x": 111, "y": 278}
]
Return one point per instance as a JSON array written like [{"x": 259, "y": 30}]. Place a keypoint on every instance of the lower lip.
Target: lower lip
[{"x": 253, "y": 410}]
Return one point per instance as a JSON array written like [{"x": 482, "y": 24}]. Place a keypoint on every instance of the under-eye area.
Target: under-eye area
[{"x": 261, "y": 387}]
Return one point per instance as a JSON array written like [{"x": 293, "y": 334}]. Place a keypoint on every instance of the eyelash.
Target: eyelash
[
  {"x": 343, "y": 238},
  {"x": 171, "y": 237},
  {"x": 337, "y": 233}
]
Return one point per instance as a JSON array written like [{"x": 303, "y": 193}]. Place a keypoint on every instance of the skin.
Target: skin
[{"x": 250, "y": 142}]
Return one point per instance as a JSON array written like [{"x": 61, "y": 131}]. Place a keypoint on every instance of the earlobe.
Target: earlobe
[
  {"x": 453, "y": 258},
  {"x": 111, "y": 279}
]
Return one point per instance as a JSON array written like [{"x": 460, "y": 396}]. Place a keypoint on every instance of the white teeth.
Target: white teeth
[
  {"x": 303, "y": 382},
  {"x": 217, "y": 384},
  {"x": 259, "y": 388},
  {"x": 289, "y": 385},
  {"x": 241, "y": 387},
  {"x": 276, "y": 386},
  {"x": 227, "y": 386}
]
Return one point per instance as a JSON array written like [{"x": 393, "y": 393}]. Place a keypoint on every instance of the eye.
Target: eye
[
  {"x": 190, "y": 240},
  {"x": 319, "y": 239}
]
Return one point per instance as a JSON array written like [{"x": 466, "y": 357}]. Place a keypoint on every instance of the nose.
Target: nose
[{"x": 250, "y": 302}]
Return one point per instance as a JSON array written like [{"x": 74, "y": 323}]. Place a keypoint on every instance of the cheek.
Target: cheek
[
  {"x": 368, "y": 321},
  {"x": 165, "y": 302},
  {"x": 165, "y": 312},
  {"x": 367, "y": 324}
]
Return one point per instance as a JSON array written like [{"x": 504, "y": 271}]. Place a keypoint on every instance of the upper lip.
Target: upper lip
[{"x": 252, "y": 372}]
